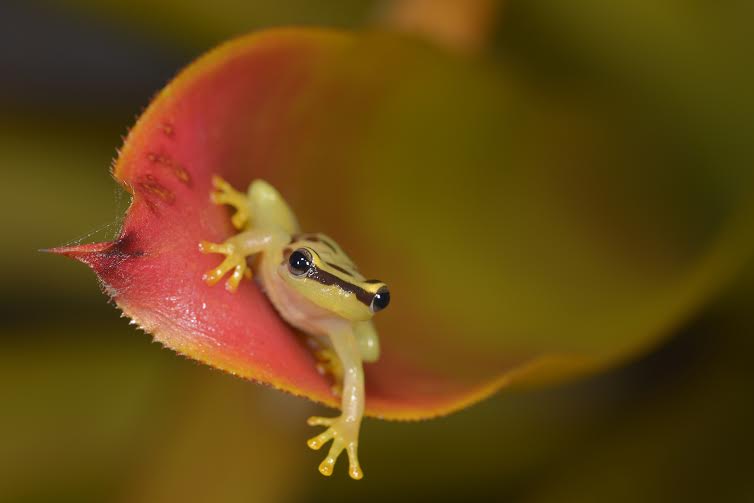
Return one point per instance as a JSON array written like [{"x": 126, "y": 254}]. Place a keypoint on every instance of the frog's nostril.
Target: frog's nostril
[{"x": 380, "y": 300}]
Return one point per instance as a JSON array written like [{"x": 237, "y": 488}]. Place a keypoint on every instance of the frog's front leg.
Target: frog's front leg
[
  {"x": 368, "y": 340},
  {"x": 235, "y": 249},
  {"x": 344, "y": 429}
]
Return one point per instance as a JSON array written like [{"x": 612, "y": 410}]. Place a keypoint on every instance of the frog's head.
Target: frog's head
[{"x": 317, "y": 268}]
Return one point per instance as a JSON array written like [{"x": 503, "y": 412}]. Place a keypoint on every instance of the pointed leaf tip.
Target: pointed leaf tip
[{"x": 80, "y": 252}]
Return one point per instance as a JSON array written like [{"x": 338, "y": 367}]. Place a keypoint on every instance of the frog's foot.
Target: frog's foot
[
  {"x": 329, "y": 363},
  {"x": 233, "y": 261},
  {"x": 225, "y": 194},
  {"x": 344, "y": 435}
]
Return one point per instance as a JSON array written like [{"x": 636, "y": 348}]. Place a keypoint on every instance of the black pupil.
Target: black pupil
[
  {"x": 381, "y": 300},
  {"x": 299, "y": 262}
]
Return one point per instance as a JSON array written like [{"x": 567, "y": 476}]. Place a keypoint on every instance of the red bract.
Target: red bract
[
  {"x": 243, "y": 112},
  {"x": 512, "y": 252}
]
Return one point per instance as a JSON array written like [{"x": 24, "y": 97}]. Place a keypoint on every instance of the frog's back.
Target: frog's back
[{"x": 269, "y": 210}]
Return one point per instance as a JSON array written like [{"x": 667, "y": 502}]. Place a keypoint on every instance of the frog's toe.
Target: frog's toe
[
  {"x": 337, "y": 447},
  {"x": 240, "y": 271},
  {"x": 213, "y": 276},
  {"x": 327, "y": 464},
  {"x": 222, "y": 186},
  {"x": 320, "y": 421},
  {"x": 317, "y": 442},
  {"x": 354, "y": 469},
  {"x": 219, "y": 182},
  {"x": 207, "y": 247},
  {"x": 344, "y": 437},
  {"x": 233, "y": 262},
  {"x": 239, "y": 218}
]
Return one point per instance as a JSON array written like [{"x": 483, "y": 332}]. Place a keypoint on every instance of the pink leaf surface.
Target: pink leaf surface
[{"x": 253, "y": 109}]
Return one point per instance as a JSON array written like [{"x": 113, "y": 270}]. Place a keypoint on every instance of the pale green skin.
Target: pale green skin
[{"x": 334, "y": 315}]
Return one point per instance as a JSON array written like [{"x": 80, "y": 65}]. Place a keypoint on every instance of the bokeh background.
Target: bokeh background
[{"x": 92, "y": 410}]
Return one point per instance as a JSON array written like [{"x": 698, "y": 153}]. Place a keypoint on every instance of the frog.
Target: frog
[{"x": 316, "y": 288}]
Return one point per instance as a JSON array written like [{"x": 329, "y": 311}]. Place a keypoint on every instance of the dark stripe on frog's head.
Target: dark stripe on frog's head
[
  {"x": 324, "y": 277},
  {"x": 340, "y": 269},
  {"x": 327, "y": 279},
  {"x": 329, "y": 253},
  {"x": 314, "y": 238}
]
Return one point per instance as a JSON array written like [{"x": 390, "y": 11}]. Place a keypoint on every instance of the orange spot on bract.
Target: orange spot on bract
[
  {"x": 158, "y": 158},
  {"x": 152, "y": 186},
  {"x": 181, "y": 173},
  {"x": 176, "y": 169},
  {"x": 168, "y": 129}
]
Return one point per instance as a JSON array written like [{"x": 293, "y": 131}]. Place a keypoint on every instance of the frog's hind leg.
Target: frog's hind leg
[
  {"x": 328, "y": 363},
  {"x": 235, "y": 249},
  {"x": 224, "y": 193},
  {"x": 344, "y": 430}
]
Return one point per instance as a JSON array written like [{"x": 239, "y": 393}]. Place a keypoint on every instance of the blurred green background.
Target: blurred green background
[{"x": 93, "y": 411}]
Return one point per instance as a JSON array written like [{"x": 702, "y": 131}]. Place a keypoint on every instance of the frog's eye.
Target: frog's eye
[
  {"x": 300, "y": 262},
  {"x": 380, "y": 300}
]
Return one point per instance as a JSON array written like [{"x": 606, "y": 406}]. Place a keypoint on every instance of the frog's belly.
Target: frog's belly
[{"x": 292, "y": 306}]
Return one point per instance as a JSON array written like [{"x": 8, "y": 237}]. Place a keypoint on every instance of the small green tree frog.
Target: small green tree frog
[{"x": 316, "y": 288}]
